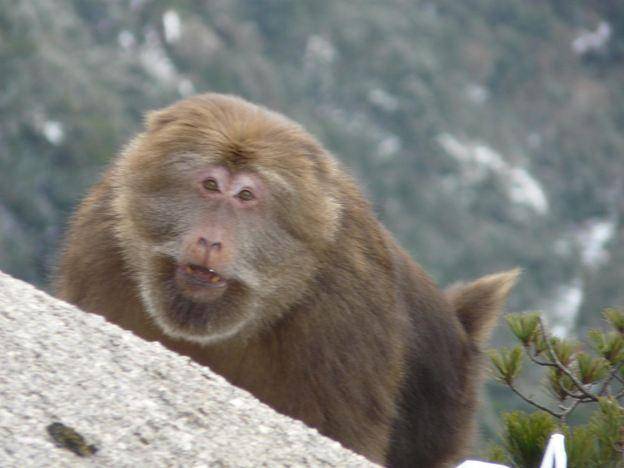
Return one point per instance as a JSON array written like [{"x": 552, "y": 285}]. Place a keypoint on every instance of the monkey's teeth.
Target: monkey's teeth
[{"x": 207, "y": 275}]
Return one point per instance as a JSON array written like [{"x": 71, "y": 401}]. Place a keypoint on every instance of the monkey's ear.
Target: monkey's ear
[
  {"x": 478, "y": 304},
  {"x": 155, "y": 120}
]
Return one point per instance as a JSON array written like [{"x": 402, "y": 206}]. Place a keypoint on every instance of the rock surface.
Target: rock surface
[{"x": 138, "y": 402}]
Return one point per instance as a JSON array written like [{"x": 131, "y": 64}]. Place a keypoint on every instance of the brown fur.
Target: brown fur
[{"x": 344, "y": 331}]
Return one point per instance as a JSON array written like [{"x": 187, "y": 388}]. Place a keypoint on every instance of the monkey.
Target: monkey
[{"x": 228, "y": 233}]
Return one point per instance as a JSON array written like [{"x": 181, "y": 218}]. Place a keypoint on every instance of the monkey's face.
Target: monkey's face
[
  {"x": 222, "y": 227},
  {"x": 214, "y": 254}
]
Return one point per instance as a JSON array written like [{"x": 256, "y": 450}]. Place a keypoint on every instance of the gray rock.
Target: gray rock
[{"x": 139, "y": 403}]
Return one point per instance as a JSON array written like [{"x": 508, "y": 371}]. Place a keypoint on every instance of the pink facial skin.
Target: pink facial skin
[
  {"x": 208, "y": 249},
  {"x": 245, "y": 189}
]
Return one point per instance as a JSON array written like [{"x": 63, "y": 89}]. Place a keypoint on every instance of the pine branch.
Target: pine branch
[
  {"x": 575, "y": 396},
  {"x": 563, "y": 368},
  {"x": 562, "y": 415},
  {"x": 537, "y": 361},
  {"x": 613, "y": 375},
  {"x": 534, "y": 403}
]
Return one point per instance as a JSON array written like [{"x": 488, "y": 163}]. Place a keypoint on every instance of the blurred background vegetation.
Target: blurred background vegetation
[{"x": 488, "y": 134}]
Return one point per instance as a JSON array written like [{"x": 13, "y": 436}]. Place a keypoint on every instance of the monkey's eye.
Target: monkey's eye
[
  {"x": 211, "y": 185},
  {"x": 245, "y": 195}
]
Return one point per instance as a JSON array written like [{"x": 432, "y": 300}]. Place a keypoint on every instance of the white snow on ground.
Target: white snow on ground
[
  {"x": 386, "y": 144},
  {"x": 319, "y": 51},
  {"x": 172, "y": 25},
  {"x": 476, "y": 93},
  {"x": 389, "y": 146},
  {"x": 592, "y": 239},
  {"x": 186, "y": 87},
  {"x": 155, "y": 60},
  {"x": 589, "y": 41},
  {"x": 383, "y": 99},
  {"x": 564, "y": 307},
  {"x": 526, "y": 190},
  {"x": 53, "y": 131},
  {"x": 479, "y": 160},
  {"x": 126, "y": 40}
]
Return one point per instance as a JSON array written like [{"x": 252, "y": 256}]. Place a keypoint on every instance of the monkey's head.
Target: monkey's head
[{"x": 224, "y": 210}]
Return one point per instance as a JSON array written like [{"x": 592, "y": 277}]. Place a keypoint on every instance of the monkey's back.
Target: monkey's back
[{"x": 434, "y": 422}]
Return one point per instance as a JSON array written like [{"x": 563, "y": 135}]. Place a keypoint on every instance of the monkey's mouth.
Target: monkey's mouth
[{"x": 200, "y": 276}]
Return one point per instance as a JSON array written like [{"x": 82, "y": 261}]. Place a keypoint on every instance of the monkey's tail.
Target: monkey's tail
[{"x": 479, "y": 303}]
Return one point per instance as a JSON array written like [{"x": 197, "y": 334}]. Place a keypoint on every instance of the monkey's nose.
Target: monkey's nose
[{"x": 208, "y": 253}]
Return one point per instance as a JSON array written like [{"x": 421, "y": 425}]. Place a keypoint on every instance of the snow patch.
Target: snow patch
[
  {"x": 590, "y": 41},
  {"x": 383, "y": 99},
  {"x": 592, "y": 239},
  {"x": 389, "y": 146},
  {"x": 476, "y": 93},
  {"x": 525, "y": 190},
  {"x": 126, "y": 40},
  {"x": 564, "y": 307},
  {"x": 186, "y": 87},
  {"x": 53, "y": 132},
  {"x": 155, "y": 60},
  {"x": 172, "y": 26},
  {"x": 319, "y": 50},
  {"x": 479, "y": 160}
]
